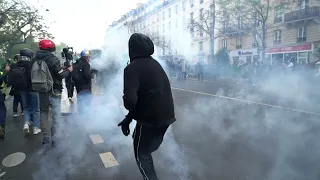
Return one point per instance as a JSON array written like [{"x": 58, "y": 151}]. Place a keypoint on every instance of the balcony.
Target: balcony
[
  {"x": 235, "y": 30},
  {"x": 301, "y": 39},
  {"x": 309, "y": 13}
]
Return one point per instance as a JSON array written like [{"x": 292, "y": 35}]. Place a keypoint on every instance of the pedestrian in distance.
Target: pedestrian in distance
[{"x": 148, "y": 98}]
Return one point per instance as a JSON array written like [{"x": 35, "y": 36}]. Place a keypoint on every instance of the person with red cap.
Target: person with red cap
[{"x": 53, "y": 98}]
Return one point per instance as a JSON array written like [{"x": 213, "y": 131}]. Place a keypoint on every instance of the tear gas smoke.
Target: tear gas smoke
[{"x": 240, "y": 140}]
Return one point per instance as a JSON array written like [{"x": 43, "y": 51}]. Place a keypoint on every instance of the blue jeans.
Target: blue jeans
[
  {"x": 55, "y": 103},
  {"x": 31, "y": 104}
]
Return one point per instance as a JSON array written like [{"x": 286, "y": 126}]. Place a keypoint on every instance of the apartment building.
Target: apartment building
[
  {"x": 293, "y": 32},
  {"x": 167, "y": 23}
]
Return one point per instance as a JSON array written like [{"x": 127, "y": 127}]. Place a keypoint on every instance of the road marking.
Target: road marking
[
  {"x": 108, "y": 159},
  {"x": 247, "y": 101},
  {"x": 96, "y": 139},
  {"x": 14, "y": 159},
  {"x": 2, "y": 174}
]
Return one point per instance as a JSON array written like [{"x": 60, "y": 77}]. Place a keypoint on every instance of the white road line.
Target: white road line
[
  {"x": 247, "y": 101},
  {"x": 96, "y": 139},
  {"x": 108, "y": 159}
]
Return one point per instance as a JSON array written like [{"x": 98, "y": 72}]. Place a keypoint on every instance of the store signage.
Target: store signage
[
  {"x": 245, "y": 53},
  {"x": 290, "y": 49}
]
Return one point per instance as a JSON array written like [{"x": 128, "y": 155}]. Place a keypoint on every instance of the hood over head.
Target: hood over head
[
  {"x": 140, "y": 45},
  {"x": 42, "y": 54}
]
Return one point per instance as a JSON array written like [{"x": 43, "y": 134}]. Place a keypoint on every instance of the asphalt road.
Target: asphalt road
[{"x": 213, "y": 138}]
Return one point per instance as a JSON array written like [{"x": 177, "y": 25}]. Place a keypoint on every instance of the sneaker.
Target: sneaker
[
  {"x": 36, "y": 130},
  {"x": 26, "y": 129},
  {"x": 21, "y": 114},
  {"x": 16, "y": 115},
  {"x": 2, "y": 132}
]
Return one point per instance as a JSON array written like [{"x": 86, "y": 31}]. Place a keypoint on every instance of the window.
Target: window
[
  {"x": 191, "y": 3},
  {"x": 169, "y": 12},
  {"x": 201, "y": 46},
  {"x": 177, "y": 9},
  {"x": 224, "y": 43},
  {"x": 169, "y": 26},
  {"x": 192, "y": 32},
  {"x": 201, "y": 32},
  {"x": 176, "y": 23},
  {"x": 278, "y": 16},
  {"x": 303, "y": 4},
  {"x": 163, "y": 28},
  {"x": 239, "y": 43},
  {"x": 158, "y": 17},
  {"x": 201, "y": 1},
  {"x": 255, "y": 40},
  {"x": 302, "y": 34},
  {"x": 239, "y": 20},
  {"x": 163, "y": 15},
  {"x": 277, "y": 36},
  {"x": 255, "y": 18},
  {"x": 201, "y": 13},
  {"x": 183, "y": 5},
  {"x": 191, "y": 16}
]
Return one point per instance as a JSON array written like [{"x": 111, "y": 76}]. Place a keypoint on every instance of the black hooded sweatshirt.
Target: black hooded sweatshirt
[
  {"x": 85, "y": 82},
  {"x": 147, "y": 91},
  {"x": 27, "y": 65},
  {"x": 55, "y": 68}
]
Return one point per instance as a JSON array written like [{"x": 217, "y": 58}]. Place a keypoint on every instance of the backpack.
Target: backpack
[
  {"x": 77, "y": 71},
  {"x": 18, "y": 78},
  {"x": 41, "y": 78}
]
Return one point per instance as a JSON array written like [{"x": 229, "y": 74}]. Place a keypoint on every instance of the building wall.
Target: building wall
[
  {"x": 289, "y": 31},
  {"x": 171, "y": 22}
]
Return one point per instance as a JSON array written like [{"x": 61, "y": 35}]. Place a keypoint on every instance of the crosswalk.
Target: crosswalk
[{"x": 68, "y": 107}]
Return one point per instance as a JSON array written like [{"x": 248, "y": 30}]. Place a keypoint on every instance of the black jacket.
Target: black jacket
[
  {"x": 85, "y": 82},
  {"x": 27, "y": 65},
  {"x": 57, "y": 72},
  {"x": 147, "y": 91}
]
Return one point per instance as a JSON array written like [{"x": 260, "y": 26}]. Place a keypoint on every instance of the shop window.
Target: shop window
[
  {"x": 248, "y": 59},
  {"x": 302, "y": 34},
  {"x": 277, "y": 37}
]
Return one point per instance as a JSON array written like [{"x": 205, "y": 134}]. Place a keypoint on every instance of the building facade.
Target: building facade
[
  {"x": 294, "y": 31},
  {"x": 167, "y": 22}
]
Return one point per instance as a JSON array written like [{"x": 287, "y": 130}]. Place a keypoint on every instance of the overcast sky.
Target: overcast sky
[{"x": 82, "y": 23}]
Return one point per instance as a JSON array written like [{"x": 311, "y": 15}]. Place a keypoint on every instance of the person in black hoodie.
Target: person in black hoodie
[
  {"x": 53, "y": 99},
  {"x": 148, "y": 98},
  {"x": 20, "y": 78},
  {"x": 3, "y": 109},
  {"x": 16, "y": 94},
  {"x": 82, "y": 78}
]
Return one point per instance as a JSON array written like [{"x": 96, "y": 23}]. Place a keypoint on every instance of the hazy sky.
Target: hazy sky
[{"x": 82, "y": 23}]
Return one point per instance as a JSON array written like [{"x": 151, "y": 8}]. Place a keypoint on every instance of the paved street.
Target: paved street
[{"x": 213, "y": 138}]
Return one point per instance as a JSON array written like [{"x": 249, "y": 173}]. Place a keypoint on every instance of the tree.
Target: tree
[
  {"x": 251, "y": 16},
  {"x": 159, "y": 41},
  {"x": 20, "y": 24},
  {"x": 206, "y": 24}
]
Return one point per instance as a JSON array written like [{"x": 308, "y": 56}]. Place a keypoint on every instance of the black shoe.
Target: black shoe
[{"x": 2, "y": 132}]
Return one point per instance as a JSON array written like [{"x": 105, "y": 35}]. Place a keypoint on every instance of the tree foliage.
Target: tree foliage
[{"x": 18, "y": 23}]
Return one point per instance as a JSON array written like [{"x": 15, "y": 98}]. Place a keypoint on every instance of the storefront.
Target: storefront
[
  {"x": 244, "y": 56},
  {"x": 302, "y": 53}
]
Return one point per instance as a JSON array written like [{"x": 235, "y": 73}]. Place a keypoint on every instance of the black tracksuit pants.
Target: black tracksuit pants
[{"x": 146, "y": 140}]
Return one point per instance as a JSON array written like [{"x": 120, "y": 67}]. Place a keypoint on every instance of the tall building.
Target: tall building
[
  {"x": 167, "y": 22},
  {"x": 293, "y": 31}
]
